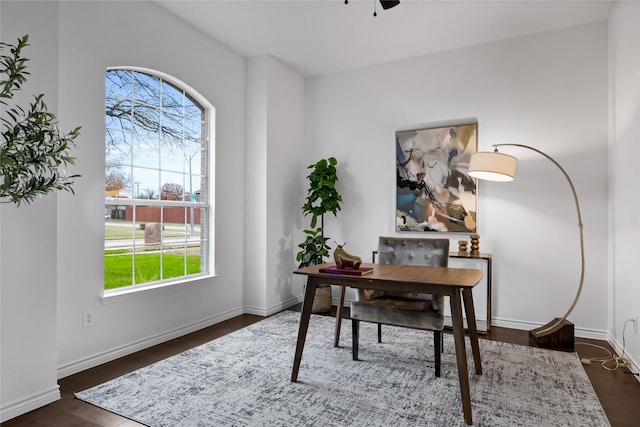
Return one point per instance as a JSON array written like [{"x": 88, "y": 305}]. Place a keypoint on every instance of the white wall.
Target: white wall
[
  {"x": 94, "y": 36},
  {"x": 256, "y": 190},
  {"x": 70, "y": 57},
  {"x": 285, "y": 192},
  {"x": 28, "y": 358},
  {"x": 275, "y": 111},
  {"x": 547, "y": 90},
  {"x": 624, "y": 48}
]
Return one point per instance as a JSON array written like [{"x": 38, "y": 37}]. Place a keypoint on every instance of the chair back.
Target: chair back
[{"x": 414, "y": 251}]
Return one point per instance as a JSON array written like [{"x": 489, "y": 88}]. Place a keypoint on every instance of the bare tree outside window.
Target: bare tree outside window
[
  {"x": 173, "y": 192},
  {"x": 141, "y": 116},
  {"x": 115, "y": 181},
  {"x": 148, "y": 193}
]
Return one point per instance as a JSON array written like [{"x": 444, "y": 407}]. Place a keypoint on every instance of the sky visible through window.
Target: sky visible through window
[{"x": 153, "y": 135}]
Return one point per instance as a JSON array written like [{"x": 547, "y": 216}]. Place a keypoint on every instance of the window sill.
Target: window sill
[{"x": 124, "y": 294}]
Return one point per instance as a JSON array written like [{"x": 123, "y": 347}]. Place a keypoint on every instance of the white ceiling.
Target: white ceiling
[{"x": 323, "y": 36}]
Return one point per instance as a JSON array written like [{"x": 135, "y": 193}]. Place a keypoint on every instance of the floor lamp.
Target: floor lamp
[{"x": 495, "y": 166}]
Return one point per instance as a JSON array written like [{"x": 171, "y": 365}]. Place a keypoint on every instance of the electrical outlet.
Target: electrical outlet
[{"x": 87, "y": 319}]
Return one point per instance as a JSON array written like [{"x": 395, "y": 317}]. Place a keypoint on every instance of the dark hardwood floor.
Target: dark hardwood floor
[{"x": 619, "y": 392}]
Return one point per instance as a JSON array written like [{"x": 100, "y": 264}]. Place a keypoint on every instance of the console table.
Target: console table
[
  {"x": 482, "y": 290},
  {"x": 456, "y": 283}
]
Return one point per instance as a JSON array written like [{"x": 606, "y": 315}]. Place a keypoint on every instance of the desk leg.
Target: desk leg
[
  {"x": 489, "y": 276},
  {"x": 461, "y": 354},
  {"x": 336, "y": 339},
  {"x": 473, "y": 332},
  {"x": 307, "y": 305}
]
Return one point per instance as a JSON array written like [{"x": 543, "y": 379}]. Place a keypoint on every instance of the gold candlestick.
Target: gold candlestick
[
  {"x": 475, "y": 244},
  {"x": 462, "y": 247}
]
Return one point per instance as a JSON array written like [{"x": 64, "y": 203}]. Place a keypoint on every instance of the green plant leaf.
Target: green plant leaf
[{"x": 33, "y": 152}]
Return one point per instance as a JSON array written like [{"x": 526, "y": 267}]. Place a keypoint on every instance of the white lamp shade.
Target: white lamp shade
[{"x": 493, "y": 166}]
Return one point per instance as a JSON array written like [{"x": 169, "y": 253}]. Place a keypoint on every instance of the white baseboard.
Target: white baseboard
[
  {"x": 579, "y": 332},
  {"x": 261, "y": 311},
  {"x": 635, "y": 366},
  {"x": 109, "y": 355},
  {"x": 518, "y": 324},
  {"x": 29, "y": 403},
  {"x": 595, "y": 334}
]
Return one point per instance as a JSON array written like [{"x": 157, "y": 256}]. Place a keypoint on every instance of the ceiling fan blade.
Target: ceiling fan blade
[{"x": 388, "y": 4}]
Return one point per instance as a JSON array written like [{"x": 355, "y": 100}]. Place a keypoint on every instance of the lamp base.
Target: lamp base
[{"x": 560, "y": 337}]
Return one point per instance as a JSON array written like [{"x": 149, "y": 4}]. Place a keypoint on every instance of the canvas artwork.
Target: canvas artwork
[{"x": 434, "y": 191}]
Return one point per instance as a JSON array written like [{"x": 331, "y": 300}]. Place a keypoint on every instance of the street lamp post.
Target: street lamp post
[{"x": 191, "y": 195}]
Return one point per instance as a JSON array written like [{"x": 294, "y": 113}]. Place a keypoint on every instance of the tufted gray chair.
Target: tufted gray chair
[{"x": 418, "y": 311}]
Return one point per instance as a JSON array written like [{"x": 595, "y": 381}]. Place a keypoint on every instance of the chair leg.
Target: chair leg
[
  {"x": 355, "y": 330},
  {"x": 437, "y": 343},
  {"x": 379, "y": 333}
]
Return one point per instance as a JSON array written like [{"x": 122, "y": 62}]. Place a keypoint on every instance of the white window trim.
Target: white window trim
[
  {"x": 127, "y": 293},
  {"x": 135, "y": 291}
]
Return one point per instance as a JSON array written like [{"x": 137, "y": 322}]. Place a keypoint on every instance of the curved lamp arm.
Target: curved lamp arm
[{"x": 580, "y": 226}]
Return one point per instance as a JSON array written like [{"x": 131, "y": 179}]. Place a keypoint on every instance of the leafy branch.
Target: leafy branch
[{"x": 33, "y": 152}]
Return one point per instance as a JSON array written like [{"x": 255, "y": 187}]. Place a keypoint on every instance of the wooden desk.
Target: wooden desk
[{"x": 456, "y": 283}]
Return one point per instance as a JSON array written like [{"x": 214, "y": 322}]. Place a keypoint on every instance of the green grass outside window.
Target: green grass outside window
[{"x": 118, "y": 271}]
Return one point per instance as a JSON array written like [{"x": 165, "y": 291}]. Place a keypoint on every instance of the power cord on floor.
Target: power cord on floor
[{"x": 611, "y": 362}]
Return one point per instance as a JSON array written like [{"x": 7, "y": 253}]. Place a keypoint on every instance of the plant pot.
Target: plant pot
[{"x": 322, "y": 299}]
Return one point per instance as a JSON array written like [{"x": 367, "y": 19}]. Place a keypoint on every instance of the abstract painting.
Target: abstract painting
[{"x": 434, "y": 191}]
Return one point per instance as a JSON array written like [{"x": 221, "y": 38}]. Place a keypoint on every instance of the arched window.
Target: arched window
[{"x": 156, "y": 180}]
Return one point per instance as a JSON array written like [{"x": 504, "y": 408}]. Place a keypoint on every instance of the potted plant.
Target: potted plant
[
  {"x": 322, "y": 197},
  {"x": 33, "y": 152}
]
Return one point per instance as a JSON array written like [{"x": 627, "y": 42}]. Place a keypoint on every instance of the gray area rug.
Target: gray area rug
[{"x": 243, "y": 379}]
